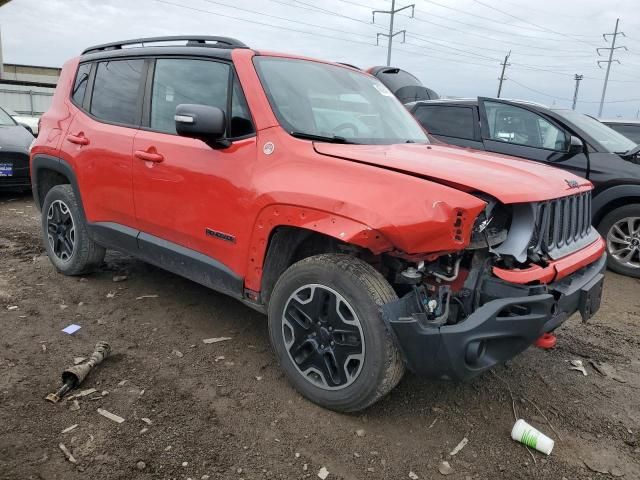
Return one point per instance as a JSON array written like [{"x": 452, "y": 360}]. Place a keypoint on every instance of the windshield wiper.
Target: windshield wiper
[
  {"x": 631, "y": 153},
  {"x": 320, "y": 138}
]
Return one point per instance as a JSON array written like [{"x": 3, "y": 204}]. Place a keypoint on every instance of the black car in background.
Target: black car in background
[
  {"x": 402, "y": 84},
  {"x": 561, "y": 138},
  {"x": 628, "y": 128},
  {"x": 14, "y": 154}
]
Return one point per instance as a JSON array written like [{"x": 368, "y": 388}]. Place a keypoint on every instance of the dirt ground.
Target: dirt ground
[{"x": 225, "y": 410}]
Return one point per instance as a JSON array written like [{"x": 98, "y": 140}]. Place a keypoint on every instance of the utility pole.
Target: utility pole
[
  {"x": 575, "y": 92},
  {"x": 505, "y": 64},
  {"x": 391, "y": 33},
  {"x": 610, "y": 61}
]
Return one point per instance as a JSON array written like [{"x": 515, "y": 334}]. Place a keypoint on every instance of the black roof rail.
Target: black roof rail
[{"x": 192, "y": 41}]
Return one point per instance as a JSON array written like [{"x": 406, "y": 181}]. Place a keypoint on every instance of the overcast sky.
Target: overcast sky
[{"x": 453, "y": 46}]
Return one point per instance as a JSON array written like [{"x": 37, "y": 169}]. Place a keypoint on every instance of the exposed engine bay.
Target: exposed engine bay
[{"x": 446, "y": 290}]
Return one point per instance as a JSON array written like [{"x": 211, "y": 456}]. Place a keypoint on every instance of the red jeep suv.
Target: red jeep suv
[{"x": 304, "y": 189}]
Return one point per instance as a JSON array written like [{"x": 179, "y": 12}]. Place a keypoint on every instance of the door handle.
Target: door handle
[
  {"x": 78, "y": 139},
  {"x": 149, "y": 156}
]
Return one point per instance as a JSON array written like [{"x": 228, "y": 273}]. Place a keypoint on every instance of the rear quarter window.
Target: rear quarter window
[
  {"x": 449, "y": 121},
  {"x": 80, "y": 84}
]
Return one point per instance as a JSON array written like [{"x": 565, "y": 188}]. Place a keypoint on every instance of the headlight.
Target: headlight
[{"x": 491, "y": 228}]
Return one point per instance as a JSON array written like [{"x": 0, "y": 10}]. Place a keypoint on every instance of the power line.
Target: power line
[
  {"x": 493, "y": 39},
  {"x": 315, "y": 10},
  {"x": 502, "y": 23},
  {"x": 418, "y": 36},
  {"x": 569, "y": 99},
  {"x": 474, "y": 54},
  {"x": 328, "y": 12},
  {"x": 610, "y": 61},
  {"x": 280, "y": 27},
  {"x": 485, "y": 28},
  {"x": 548, "y": 13},
  {"x": 214, "y": 2},
  {"x": 447, "y": 59},
  {"x": 420, "y": 39},
  {"x": 500, "y": 50},
  {"x": 363, "y": 5},
  {"x": 391, "y": 34},
  {"x": 265, "y": 24},
  {"x": 332, "y": 13},
  {"x": 531, "y": 23}
]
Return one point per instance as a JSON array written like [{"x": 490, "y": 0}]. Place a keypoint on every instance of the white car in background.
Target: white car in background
[{"x": 29, "y": 122}]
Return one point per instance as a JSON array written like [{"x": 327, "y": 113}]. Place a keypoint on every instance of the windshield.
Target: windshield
[
  {"x": 5, "y": 119},
  {"x": 607, "y": 137},
  {"x": 313, "y": 98}
]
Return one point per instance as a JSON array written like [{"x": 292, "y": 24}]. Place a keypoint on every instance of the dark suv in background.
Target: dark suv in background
[{"x": 561, "y": 138}]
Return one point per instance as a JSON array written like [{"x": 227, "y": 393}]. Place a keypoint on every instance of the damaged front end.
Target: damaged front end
[{"x": 526, "y": 269}]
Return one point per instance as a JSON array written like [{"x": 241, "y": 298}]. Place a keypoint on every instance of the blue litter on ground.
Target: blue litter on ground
[{"x": 71, "y": 329}]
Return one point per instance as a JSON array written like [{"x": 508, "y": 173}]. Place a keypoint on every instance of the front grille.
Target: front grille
[
  {"x": 562, "y": 225},
  {"x": 19, "y": 159}
]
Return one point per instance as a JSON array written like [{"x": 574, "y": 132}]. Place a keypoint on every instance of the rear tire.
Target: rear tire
[
  {"x": 327, "y": 331},
  {"x": 621, "y": 230},
  {"x": 65, "y": 234}
]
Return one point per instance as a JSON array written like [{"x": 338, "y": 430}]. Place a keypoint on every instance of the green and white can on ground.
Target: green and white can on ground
[{"x": 531, "y": 437}]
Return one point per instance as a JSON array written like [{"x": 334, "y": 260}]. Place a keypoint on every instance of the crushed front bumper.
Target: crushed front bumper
[{"x": 498, "y": 330}]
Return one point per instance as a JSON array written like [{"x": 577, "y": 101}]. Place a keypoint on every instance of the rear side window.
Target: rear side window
[
  {"x": 116, "y": 91},
  {"x": 447, "y": 120},
  {"x": 80, "y": 85},
  {"x": 178, "y": 81}
]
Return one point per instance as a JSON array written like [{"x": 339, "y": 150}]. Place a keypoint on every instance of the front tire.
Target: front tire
[
  {"x": 328, "y": 334},
  {"x": 621, "y": 230},
  {"x": 66, "y": 238}
]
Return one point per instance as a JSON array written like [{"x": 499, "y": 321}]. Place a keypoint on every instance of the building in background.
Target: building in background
[{"x": 26, "y": 89}]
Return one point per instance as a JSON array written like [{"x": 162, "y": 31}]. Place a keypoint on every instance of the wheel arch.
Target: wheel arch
[
  {"x": 46, "y": 173},
  {"x": 612, "y": 198},
  {"x": 284, "y": 234}
]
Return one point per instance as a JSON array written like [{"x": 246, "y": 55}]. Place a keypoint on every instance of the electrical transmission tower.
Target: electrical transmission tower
[
  {"x": 504, "y": 64},
  {"x": 391, "y": 33},
  {"x": 575, "y": 92},
  {"x": 611, "y": 49}
]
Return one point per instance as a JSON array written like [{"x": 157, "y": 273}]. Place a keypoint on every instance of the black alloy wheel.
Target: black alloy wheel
[
  {"x": 61, "y": 231},
  {"x": 323, "y": 336}
]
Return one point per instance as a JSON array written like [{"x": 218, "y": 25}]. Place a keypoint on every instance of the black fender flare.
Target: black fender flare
[
  {"x": 611, "y": 194},
  {"x": 41, "y": 162}
]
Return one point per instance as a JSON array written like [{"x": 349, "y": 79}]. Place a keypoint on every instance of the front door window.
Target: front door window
[{"x": 519, "y": 126}]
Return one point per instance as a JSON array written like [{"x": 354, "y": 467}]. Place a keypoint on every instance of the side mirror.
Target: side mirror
[
  {"x": 575, "y": 145},
  {"x": 203, "y": 122},
  {"x": 27, "y": 127}
]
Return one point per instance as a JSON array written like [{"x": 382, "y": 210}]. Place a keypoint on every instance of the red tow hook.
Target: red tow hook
[{"x": 546, "y": 341}]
